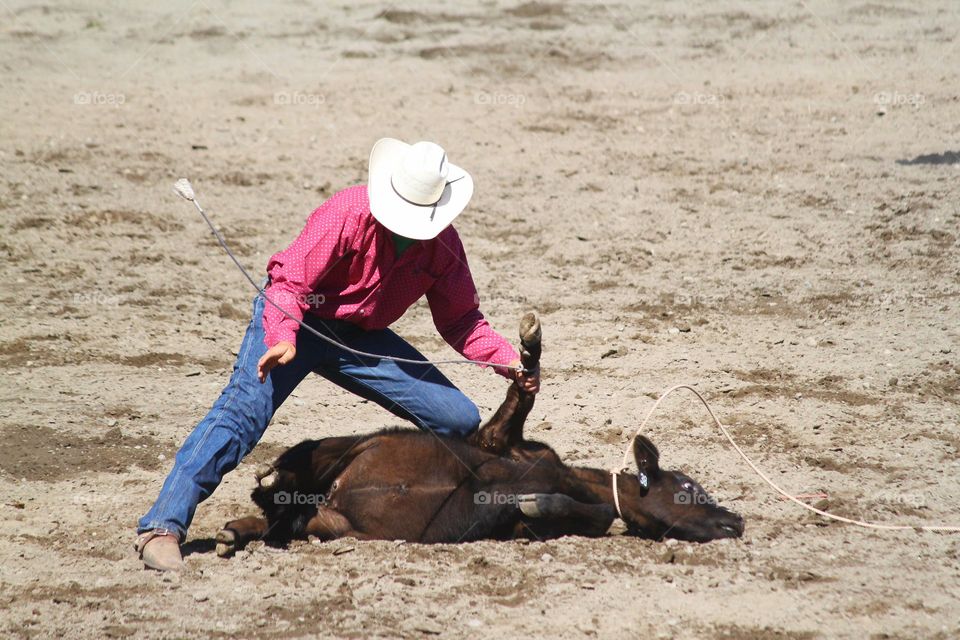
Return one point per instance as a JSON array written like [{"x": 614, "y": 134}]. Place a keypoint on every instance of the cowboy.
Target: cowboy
[{"x": 363, "y": 258}]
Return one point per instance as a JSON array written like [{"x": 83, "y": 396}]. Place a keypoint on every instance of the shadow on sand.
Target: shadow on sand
[{"x": 947, "y": 157}]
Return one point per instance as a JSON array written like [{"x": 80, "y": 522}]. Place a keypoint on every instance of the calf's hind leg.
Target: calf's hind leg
[
  {"x": 326, "y": 524},
  {"x": 505, "y": 428},
  {"x": 237, "y": 533},
  {"x": 330, "y": 524}
]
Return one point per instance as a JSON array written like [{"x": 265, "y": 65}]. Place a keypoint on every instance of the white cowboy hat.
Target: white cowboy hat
[{"x": 413, "y": 190}]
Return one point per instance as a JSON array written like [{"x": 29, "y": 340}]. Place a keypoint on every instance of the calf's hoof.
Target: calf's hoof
[
  {"x": 266, "y": 476},
  {"x": 226, "y": 543},
  {"x": 530, "y": 332},
  {"x": 543, "y": 505},
  {"x": 528, "y": 505}
]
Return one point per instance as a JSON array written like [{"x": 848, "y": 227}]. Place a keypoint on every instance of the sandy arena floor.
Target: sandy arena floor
[{"x": 759, "y": 198}]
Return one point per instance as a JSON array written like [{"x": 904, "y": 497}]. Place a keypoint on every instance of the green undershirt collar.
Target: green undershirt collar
[{"x": 401, "y": 244}]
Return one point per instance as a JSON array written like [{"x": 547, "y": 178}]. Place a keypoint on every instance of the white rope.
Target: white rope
[
  {"x": 773, "y": 485},
  {"x": 183, "y": 189}
]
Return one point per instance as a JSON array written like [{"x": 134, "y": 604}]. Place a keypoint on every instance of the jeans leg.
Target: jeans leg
[
  {"x": 418, "y": 393},
  {"x": 228, "y": 432}
]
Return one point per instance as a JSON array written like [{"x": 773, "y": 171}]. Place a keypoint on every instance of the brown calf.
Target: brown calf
[{"x": 400, "y": 484}]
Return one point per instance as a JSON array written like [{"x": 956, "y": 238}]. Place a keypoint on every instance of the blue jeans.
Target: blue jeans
[{"x": 418, "y": 393}]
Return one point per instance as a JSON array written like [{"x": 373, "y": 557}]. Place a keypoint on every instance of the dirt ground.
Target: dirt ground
[{"x": 757, "y": 198}]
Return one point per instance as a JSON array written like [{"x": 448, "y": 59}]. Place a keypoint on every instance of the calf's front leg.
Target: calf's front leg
[
  {"x": 237, "y": 533},
  {"x": 557, "y": 514}
]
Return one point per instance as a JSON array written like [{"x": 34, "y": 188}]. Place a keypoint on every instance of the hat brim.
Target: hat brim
[{"x": 404, "y": 218}]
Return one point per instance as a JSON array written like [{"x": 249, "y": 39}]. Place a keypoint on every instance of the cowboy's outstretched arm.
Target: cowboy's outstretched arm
[{"x": 455, "y": 306}]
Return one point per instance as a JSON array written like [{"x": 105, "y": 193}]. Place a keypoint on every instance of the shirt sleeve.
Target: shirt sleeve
[
  {"x": 455, "y": 306},
  {"x": 296, "y": 271}
]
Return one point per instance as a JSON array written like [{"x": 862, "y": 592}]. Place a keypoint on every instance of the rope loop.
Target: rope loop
[{"x": 763, "y": 476}]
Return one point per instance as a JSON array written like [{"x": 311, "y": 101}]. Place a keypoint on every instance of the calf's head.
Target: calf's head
[{"x": 669, "y": 504}]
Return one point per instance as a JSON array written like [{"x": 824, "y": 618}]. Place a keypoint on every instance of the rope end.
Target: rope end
[{"x": 183, "y": 189}]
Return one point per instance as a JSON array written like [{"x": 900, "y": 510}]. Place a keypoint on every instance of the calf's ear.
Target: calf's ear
[{"x": 648, "y": 461}]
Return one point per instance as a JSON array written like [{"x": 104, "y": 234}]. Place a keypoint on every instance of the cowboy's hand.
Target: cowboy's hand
[
  {"x": 279, "y": 354},
  {"x": 529, "y": 381}
]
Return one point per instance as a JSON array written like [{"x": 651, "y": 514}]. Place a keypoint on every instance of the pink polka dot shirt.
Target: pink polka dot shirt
[{"x": 344, "y": 266}]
